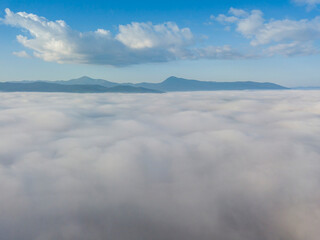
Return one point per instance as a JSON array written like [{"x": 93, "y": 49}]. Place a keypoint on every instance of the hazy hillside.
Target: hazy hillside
[
  {"x": 88, "y": 81},
  {"x": 55, "y": 87},
  {"x": 171, "y": 84},
  {"x": 181, "y": 84}
]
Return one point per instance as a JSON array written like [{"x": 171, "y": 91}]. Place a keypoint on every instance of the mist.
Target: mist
[{"x": 234, "y": 165}]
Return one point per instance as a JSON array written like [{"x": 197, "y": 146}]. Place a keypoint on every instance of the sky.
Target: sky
[{"x": 135, "y": 41}]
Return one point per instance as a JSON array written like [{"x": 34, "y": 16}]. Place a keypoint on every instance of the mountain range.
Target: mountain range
[
  {"x": 171, "y": 84},
  {"x": 40, "y": 86}
]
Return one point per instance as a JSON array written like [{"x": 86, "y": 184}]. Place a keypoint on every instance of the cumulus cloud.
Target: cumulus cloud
[
  {"x": 147, "y": 35},
  {"x": 135, "y": 43},
  {"x": 260, "y": 31},
  {"x": 218, "y": 165}
]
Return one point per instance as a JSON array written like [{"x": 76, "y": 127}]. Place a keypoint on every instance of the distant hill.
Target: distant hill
[
  {"x": 132, "y": 89},
  {"x": 171, "y": 84},
  {"x": 181, "y": 84},
  {"x": 55, "y": 87},
  {"x": 88, "y": 81},
  {"x": 174, "y": 84}
]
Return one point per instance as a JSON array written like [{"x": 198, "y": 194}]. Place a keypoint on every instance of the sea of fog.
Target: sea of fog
[{"x": 192, "y": 166}]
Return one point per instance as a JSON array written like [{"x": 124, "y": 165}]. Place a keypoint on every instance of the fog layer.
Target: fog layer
[{"x": 206, "y": 166}]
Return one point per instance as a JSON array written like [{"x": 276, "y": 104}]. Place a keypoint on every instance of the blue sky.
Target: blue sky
[{"x": 275, "y": 41}]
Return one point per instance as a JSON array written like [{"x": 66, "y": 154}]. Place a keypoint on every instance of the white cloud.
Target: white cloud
[
  {"x": 283, "y": 32},
  {"x": 22, "y": 54},
  {"x": 224, "y": 52},
  {"x": 225, "y": 19},
  {"x": 310, "y": 3},
  {"x": 219, "y": 165},
  {"x": 134, "y": 43},
  {"x": 292, "y": 49},
  {"x": 250, "y": 25},
  {"x": 288, "y": 30},
  {"x": 147, "y": 35},
  {"x": 237, "y": 12}
]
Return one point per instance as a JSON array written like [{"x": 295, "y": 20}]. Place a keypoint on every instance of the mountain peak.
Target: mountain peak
[
  {"x": 174, "y": 79},
  {"x": 84, "y": 78}
]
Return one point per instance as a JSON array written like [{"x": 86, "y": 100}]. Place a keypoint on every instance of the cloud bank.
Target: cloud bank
[
  {"x": 135, "y": 43},
  {"x": 145, "y": 42},
  {"x": 284, "y": 37},
  {"x": 218, "y": 165}
]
